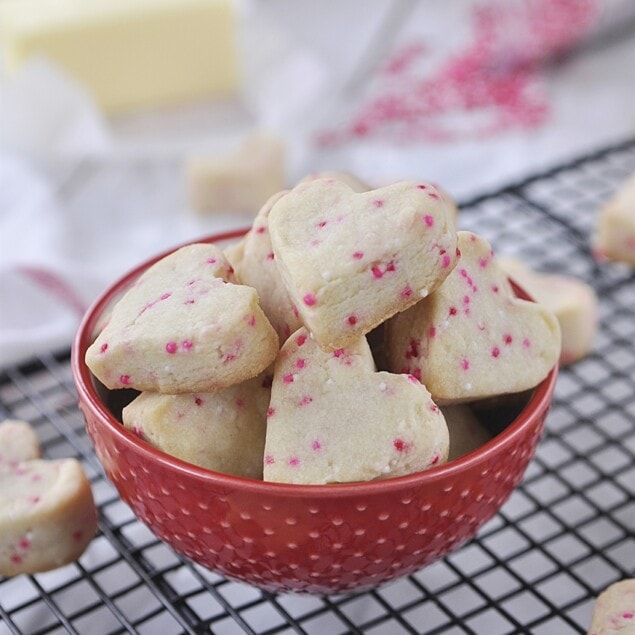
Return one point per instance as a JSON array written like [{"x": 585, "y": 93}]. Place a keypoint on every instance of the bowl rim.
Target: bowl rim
[{"x": 537, "y": 404}]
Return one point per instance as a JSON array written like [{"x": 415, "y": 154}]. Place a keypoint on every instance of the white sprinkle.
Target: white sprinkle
[
  {"x": 295, "y": 377},
  {"x": 329, "y": 381},
  {"x": 468, "y": 386},
  {"x": 326, "y": 275},
  {"x": 385, "y": 470},
  {"x": 423, "y": 293},
  {"x": 382, "y": 386}
]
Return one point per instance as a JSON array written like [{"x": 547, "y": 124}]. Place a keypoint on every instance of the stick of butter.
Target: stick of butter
[{"x": 130, "y": 54}]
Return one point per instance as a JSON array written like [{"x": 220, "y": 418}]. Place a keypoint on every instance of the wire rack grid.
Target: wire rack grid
[{"x": 566, "y": 533}]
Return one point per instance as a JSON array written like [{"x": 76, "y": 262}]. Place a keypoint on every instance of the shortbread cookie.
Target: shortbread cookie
[
  {"x": 47, "y": 511},
  {"x": 184, "y": 327},
  {"x": 222, "y": 431},
  {"x": 333, "y": 419},
  {"x": 615, "y": 235},
  {"x": 472, "y": 338},
  {"x": 357, "y": 185},
  {"x": 350, "y": 261},
  {"x": 467, "y": 433},
  {"x": 573, "y": 302},
  {"x": 239, "y": 181},
  {"x": 18, "y": 442},
  {"x": 614, "y": 611},
  {"x": 257, "y": 269}
]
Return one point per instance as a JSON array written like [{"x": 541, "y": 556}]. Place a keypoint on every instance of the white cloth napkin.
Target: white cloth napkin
[{"x": 307, "y": 78}]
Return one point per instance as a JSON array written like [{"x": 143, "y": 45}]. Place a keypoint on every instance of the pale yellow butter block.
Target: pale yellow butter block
[
  {"x": 128, "y": 54},
  {"x": 240, "y": 181}
]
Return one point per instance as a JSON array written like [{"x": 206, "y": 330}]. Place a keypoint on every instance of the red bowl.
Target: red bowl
[{"x": 307, "y": 538}]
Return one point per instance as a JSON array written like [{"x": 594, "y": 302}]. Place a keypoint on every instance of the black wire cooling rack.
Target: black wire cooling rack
[{"x": 565, "y": 534}]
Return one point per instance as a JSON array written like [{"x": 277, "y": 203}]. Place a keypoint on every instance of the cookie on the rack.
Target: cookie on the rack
[
  {"x": 472, "y": 338},
  {"x": 184, "y": 327},
  {"x": 47, "y": 511},
  {"x": 614, "y": 610},
  {"x": 222, "y": 431},
  {"x": 351, "y": 260},
  {"x": 334, "y": 419},
  {"x": 572, "y": 301},
  {"x": 614, "y": 238}
]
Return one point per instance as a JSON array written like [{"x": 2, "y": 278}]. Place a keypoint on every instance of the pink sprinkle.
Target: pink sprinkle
[
  {"x": 211, "y": 261},
  {"x": 104, "y": 348},
  {"x": 165, "y": 296},
  {"x": 316, "y": 445},
  {"x": 378, "y": 203},
  {"x": 435, "y": 459},
  {"x": 416, "y": 373},
  {"x": 230, "y": 270},
  {"x": 252, "y": 320},
  {"x": 124, "y": 379},
  {"x": 271, "y": 412},
  {"x": 413, "y": 379},
  {"x": 358, "y": 255},
  {"x": 301, "y": 363},
  {"x": 429, "y": 220},
  {"x": 322, "y": 223},
  {"x": 496, "y": 351},
  {"x": 306, "y": 400},
  {"x": 483, "y": 262},
  {"x": 198, "y": 401},
  {"x": 432, "y": 331},
  {"x": 138, "y": 431},
  {"x": 421, "y": 187},
  {"x": 261, "y": 230},
  {"x": 391, "y": 266},
  {"x": 25, "y": 543},
  {"x": 352, "y": 320},
  {"x": 413, "y": 349},
  {"x": 189, "y": 302},
  {"x": 171, "y": 347},
  {"x": 495, "y": 288},
  {"x": 186, "y": 344},
  {"x": 309, "y": 299},
  {"x": 466, "y": 299},
  {"x": 377, "y": 272},
  {"x": 288, "y": 378},
  {"x": 507, "y": 339},
  {"x": 400, "y": 445},
  {"x": 628, "y": 615},
  {"x": 34, "y": 500},
  {"x": 434, "y": 407},
  {"x": 271, "y": 255},
  {"x": 294, "y": 461},
  {"x": 269, "y": 460},
  {"x": 15, "y": 558},
  {"x": 229, "y": 357},
  {"x": 300, "y": 339},
  {"x": 338, "y": 352},
  {"x": 453, "y": 310},
  {"x": 463, "y": 273},
  {"x": 445, "y": 261},
  {"x": 526, "y": 343},
  {"x": 465, "y": 364},
  {"x": 433, "y": 195},
  {"x": 406, "y": 292},
  {"x": 77, "y": 535}
]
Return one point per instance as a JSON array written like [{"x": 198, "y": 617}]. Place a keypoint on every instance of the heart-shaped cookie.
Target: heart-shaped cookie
[
  {"x": 222, "y": 431},
  {"x": 333, "y": 419},
  {"x": 472, "y": 338},
  {"x": 47, "y": 512},
  {"x": 351, "y": 260},
  {"x": 257, "y": 268},
  {"x": 184, "y": 327}
]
